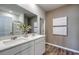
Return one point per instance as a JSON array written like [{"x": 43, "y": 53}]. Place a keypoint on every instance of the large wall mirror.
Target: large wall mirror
[
  {"x": 8, "y": 24},
  {"x": 10, "y": 15}
]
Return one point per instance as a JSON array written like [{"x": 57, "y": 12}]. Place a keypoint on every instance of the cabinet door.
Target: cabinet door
[
  {"x": 39, "y": 46},
  {"x": 17, "y": 49},
  {"x": 27, "y": 51}
]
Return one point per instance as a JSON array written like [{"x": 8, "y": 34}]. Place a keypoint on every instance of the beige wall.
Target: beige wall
[{"x": 72, "y": 40}]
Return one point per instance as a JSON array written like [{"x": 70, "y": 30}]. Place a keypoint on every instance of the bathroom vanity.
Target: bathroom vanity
[
  {"x": 12, "y": 41},
  {"x": 32, "y": 45}
]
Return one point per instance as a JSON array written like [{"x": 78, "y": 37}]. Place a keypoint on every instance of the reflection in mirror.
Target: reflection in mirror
[
  {"x": 5, "y": 25},
  {"x": 9, "y": 17},
  {"x": 15, "y": 28},
  {"x": 41, "y": 26},
  {"x": 34, "y": 24}
]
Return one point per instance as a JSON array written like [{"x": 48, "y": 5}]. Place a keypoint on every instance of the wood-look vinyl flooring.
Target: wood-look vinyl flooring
[{"x": 50, "y": 50}]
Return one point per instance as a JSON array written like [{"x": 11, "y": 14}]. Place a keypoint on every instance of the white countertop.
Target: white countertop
[{"x": 19, "y": 40}]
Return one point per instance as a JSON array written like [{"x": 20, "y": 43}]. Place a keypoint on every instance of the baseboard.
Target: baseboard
[{"x": 68, "y": 49}]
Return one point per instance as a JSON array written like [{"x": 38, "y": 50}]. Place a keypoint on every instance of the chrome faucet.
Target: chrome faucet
[{"x": 13, "y": 37}]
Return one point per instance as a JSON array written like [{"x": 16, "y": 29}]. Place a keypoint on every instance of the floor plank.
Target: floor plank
[{"x": 51, "y": 50}]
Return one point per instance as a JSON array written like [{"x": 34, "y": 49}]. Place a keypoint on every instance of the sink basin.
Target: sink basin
[
  {"x": 17, "y": 40},
  {"x": 10, "y": 41},
  {"x": 20, "y": 38}
]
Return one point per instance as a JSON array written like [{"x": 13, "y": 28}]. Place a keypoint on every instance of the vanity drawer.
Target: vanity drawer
[
  {"x": 42, "y": 39},
  {"x": 15, "y": 50},
  {"x": 27, "y": 51}
]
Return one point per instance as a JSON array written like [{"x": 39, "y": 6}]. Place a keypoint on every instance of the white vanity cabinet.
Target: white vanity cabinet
[
  {"x": 28, "y": 49},
  {"x": 40, "y": 46},
  {"x": 32, "y": 47},
  {"x": 20, "y": 49}
]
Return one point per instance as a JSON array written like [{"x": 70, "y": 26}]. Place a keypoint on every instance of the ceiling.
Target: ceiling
[{"x": 48, "y": 7}]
